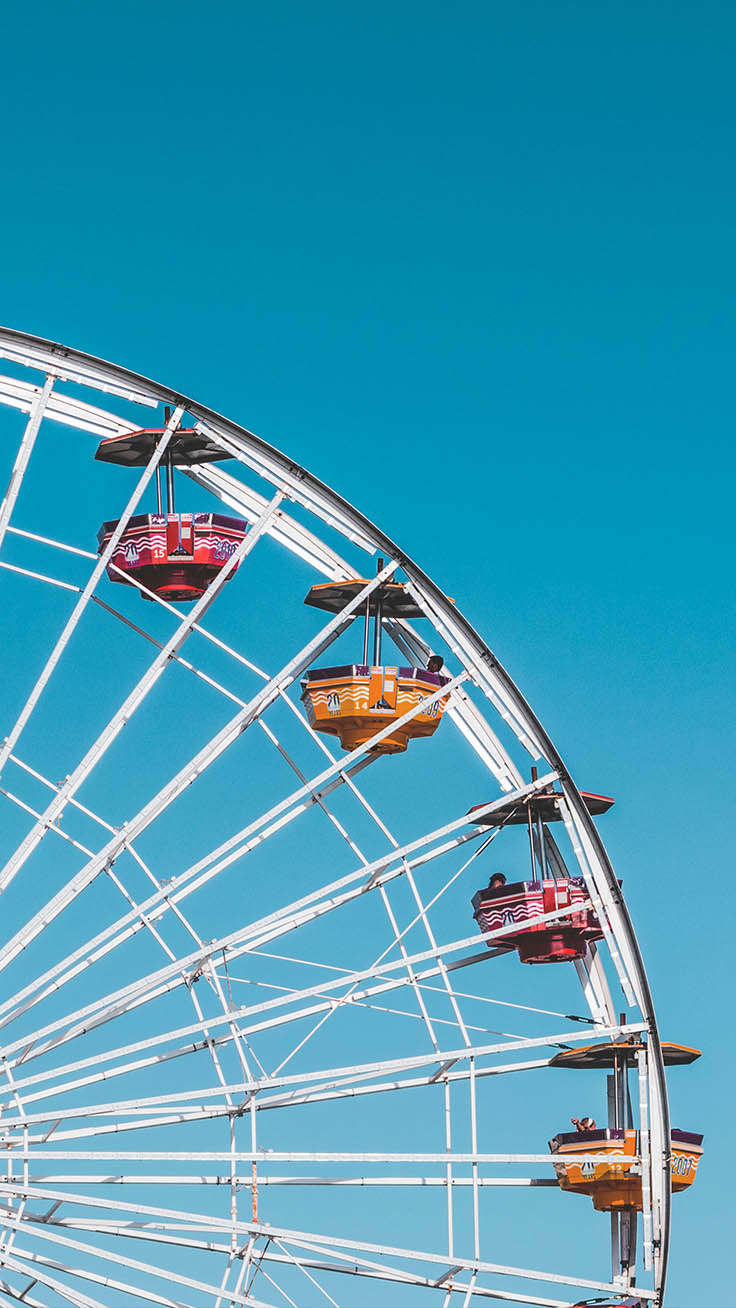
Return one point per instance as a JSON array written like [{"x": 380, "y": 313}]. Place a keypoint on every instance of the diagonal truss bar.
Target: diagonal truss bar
[
  {"x": 133, "y": 701},
  {"x": 154, "y": 1231},
  {"x": 381, "y": 825},
  {"x": 169, "y": 978},
  {"x": 31, "y": 1049},
  {"x": 316, "y": 1095},
  {"x": 150, "y": 1269},
  {"x": 25, "y": 449},
  {"x": 154, "y": 908},
  {"x": 376, "y": 869},
  {"x": 30, "y": 1264},
  {"x": 348, "y": 1075},
  {"x": 81, "y": 604},
  {"x": 189, "y": 773},
  {"x": 329, "y": 1244}
]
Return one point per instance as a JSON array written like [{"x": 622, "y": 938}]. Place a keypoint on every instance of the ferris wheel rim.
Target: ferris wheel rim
[{"x": 57, "y": 358}]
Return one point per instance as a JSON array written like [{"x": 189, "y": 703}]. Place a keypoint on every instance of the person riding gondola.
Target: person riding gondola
[
  {"x": 583, "y": 1123},
  {"x": 497, "y": 881}
]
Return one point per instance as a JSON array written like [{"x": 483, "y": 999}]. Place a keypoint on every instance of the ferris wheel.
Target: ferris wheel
[{"x": 318, "y": 984}]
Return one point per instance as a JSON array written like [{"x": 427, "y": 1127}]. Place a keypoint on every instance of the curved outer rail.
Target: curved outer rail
[{"x": 490, "y": 676}]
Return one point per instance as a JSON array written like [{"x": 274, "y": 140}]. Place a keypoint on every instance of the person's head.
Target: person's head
[
  {"x": 497, "y": 881},
  {"x": 435, "y": 663},
  {"x": 587, "y": 1123}
]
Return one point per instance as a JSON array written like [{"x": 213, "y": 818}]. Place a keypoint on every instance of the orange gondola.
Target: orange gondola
[
  {"x": 356, "y": 701},
  {"x": 616, "y": 1182}
]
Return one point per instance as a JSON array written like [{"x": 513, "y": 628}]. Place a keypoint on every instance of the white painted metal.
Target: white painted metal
[
  {"x": 225, "y": 1029},
  {"x": 378, "y": 868},
  {"x": 285, "y": 530},
  {"x": 37, "y": 408},
  {"x": 134, "y": 700},
  {"x": 646, "y": 1179},
  {"x": 61, "y": 408},
  {"x": 61, "y": 644},
  {"x": 186, "y": 775}
]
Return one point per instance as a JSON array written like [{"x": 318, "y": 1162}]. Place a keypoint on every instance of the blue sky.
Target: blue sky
[{"x": 499, "y": 239}]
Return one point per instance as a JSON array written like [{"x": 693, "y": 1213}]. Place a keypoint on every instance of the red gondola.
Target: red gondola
[
  {"x": 174, "y": 555},
  {"x": 522, "y": 903},
  {"x": 559, "y": 941}
]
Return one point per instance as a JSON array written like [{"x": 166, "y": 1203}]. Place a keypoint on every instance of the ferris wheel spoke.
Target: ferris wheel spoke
[
  {"x": 37, "y": 406},
  {"x": 406, "y": 1083},
  {"x": 196, "y": 766},
  {"x": 343, "y": 1078},
  {"x": 131, "y": 1119},
  {"x": 155, "y": 907},
  {"x": 169, "y": 975},
  {"x": 99, "y": 1252},
  {"x": 30, "y": 1264},
  {"x": 33, "y": 1261},
  {"x": 178, "y": 613},
  {"x": 180, "y": 1221},
  {"x": 22, "y": 1296},
  {"x": 273, "y": 1100},
  {"x": 363, "y": 1268},
  {"x": 40, "y": 576},
  {"x": 81, "y": 604},
  {"x": 331, "y": 1244},
  {"x": 31, "y": 1049},
  {"x": 303, "y": 1156},
  {"x": 101, "y": 944},
  {"x": 165, "y": 980},
  {"x": 201, "y": 1179},
  {"x": 133, "y": 701}
]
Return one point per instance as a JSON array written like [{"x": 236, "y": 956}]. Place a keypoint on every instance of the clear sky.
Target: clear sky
[{"x": 501, "y": 236}]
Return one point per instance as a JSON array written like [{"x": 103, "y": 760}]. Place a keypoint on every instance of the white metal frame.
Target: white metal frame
[{"x": 224, "y": 1028}]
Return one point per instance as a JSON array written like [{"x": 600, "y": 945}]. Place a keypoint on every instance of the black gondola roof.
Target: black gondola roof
[{"x": 134, "y": 448}]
